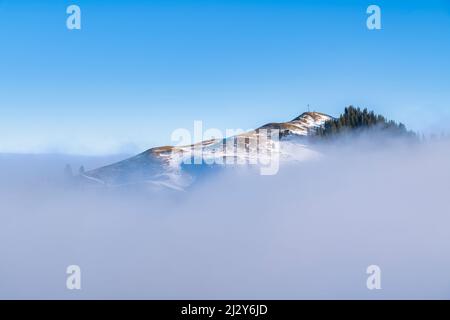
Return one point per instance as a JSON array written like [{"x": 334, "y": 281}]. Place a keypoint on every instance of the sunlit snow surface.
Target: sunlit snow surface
[{"x": 176, "y": 167}]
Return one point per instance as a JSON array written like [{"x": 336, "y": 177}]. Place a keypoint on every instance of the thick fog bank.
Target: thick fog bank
[{"x": 309, "y": 231}]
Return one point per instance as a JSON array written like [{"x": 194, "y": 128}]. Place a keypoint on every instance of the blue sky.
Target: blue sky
[{"x": 137, "y": 70}]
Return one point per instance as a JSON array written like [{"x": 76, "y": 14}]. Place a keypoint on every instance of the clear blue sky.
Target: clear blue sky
[{"x": 137, "y": 70}]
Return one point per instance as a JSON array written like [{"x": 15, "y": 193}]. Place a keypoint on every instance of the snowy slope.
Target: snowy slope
[{"x": 163, "y": 166}]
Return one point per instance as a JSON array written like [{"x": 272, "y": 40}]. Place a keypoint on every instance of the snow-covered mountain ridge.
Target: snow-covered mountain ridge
[{"x": 162, "y": 166}]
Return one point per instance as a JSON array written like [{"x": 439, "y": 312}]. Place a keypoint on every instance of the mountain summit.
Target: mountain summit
[
  {"x": 161, "y": 166},
  {"x": 176, "y": 166},
  {"x": 301, "y": 125}
]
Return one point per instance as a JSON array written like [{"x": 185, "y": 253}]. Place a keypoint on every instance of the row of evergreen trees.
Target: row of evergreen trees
[{"x": 355, "y": 120}]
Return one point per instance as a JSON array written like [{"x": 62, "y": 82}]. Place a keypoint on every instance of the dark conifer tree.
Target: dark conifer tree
[{"x": 355, "y": 120}]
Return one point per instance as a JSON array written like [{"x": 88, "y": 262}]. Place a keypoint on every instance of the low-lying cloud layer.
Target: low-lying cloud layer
[{"x": 308, "y": 232}]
